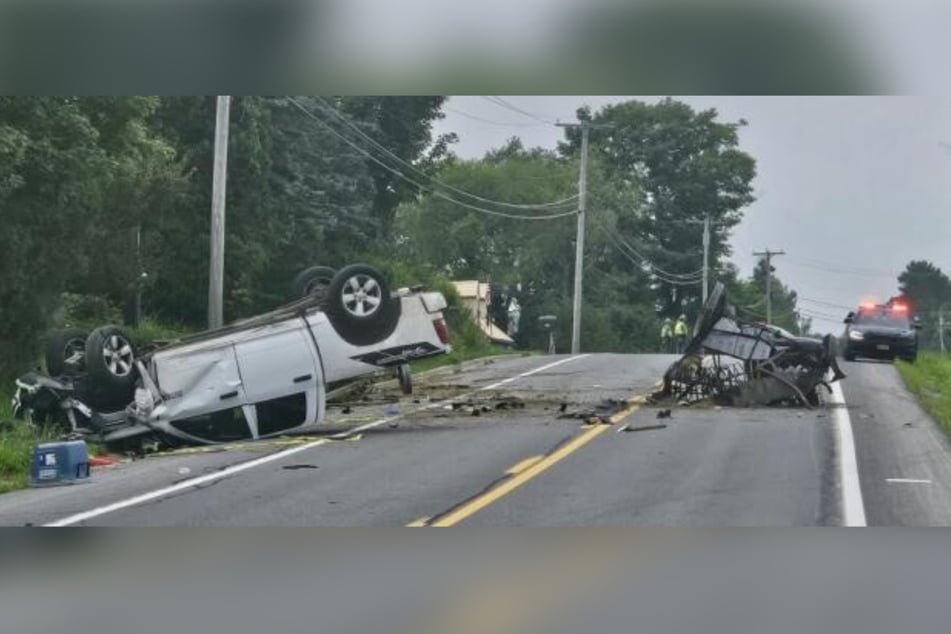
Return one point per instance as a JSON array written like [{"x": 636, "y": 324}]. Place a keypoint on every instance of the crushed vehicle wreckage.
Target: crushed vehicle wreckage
[
  {"x": 733, "y": 362},
  {"x": 256, "y": 378}
]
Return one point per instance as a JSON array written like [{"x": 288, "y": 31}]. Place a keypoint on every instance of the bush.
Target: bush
[{"x": 89, "y": 311}]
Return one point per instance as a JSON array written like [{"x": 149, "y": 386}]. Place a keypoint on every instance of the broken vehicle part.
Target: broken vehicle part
[{"x": 734, "y": 362}]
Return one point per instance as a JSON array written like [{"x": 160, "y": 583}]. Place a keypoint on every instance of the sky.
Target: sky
[{"x": 851, "y": 188}]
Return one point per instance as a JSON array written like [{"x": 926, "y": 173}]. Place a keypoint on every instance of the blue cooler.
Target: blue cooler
[{"x": 60, "y": 463}]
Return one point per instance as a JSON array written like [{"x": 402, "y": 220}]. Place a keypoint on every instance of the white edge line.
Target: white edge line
[
  {"x": 853, "y": 507},
  {"x": 257, "y": 462},
  {"x": 907, "y": 481}
]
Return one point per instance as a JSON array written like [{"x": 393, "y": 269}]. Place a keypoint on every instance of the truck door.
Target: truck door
[{"x": 281, "y": 376}]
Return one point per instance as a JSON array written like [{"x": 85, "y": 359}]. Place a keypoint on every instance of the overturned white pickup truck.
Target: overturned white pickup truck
[{"x": 256, "y": 378}]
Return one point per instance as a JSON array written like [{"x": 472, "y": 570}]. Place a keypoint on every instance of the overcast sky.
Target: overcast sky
[{"x": 852, "y": 188}]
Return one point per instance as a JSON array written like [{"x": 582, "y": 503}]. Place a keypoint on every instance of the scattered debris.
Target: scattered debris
[
  {"x": 628, "y": 428},
  {"x": 295, "y": 467},
  {"x": 664, "y": 413},
  {"x": 184, "y": 471},
  {"x": 104, "y": 461}
]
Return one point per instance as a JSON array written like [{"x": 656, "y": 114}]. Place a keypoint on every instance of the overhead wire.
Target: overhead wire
[
  {"x": 694, "y": 276},
  {"x": 490, "y": 121},
  {"x": 644, "y": 263},
  {"x": 420, "y": 186},
  {"x": 499, "y": 101},
  {"x": 382, "y": 148}
]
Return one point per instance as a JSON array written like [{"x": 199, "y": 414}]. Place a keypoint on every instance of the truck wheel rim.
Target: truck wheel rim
[
  {"x": 362, "y": 296},
  {"x": 117, "y": 353}
]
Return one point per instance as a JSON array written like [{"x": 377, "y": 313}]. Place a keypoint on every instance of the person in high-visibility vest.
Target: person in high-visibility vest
[
  {"x": 680, "y": 333},
  {"x": 666, "y": 335}
]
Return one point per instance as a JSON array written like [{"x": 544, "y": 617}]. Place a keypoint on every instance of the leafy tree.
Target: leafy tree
[
  {"x": 53, "y": 177},
  {"x": 929, "y": 290},
  {"x": 681, "y": 165}
]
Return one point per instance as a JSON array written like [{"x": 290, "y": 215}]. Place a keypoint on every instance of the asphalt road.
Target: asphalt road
[{"x": 535, "y": 466}]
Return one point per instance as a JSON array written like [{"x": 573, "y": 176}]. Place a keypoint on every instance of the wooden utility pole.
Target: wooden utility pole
[
  {"x": 216, "y": 267},
  {"x": 769, "y": 279},
  {"x": 585, "y": 126}
]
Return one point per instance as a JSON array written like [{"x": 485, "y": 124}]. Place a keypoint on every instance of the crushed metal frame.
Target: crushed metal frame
[{"x": 740, "y": 363}]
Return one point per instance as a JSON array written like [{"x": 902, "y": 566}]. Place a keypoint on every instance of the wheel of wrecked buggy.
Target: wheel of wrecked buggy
[
  {"x": 110, "y": 364},
  {"x": 359, "y": 305},
  {"x": 312, "y": 282},
  {"x": 405, "y": 377},
  {"x": 65, "y": 352}
]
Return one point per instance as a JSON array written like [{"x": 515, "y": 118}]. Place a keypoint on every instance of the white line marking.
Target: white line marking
[
  {"x": 853, "y": 507},
  {"x": 257, "y": 462},
  {"x": 907, "y": 481}
]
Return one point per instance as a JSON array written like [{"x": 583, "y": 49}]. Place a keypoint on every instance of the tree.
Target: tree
[
  {"x": 53, "y": 178},
  {"x": 403, "y": 125},
  {"x": 928, "y": 289},
  {"x": 682, "y": 165},
  {"x": 532, "y": 260}
]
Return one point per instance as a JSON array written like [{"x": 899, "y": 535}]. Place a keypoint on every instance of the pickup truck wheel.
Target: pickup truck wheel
[
  {"x": 110, "y": 358},
  {"x": 405, "y": 377},
  {"x": 312, "y": 282},
  {"x": 65, "y": 352},
  {"x": 359, "y": 305}
]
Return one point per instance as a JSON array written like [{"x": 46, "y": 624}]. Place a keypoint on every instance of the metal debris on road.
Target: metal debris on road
[
  {"x": 628, "y": 428},
  {"x": 734, "y": 362}
]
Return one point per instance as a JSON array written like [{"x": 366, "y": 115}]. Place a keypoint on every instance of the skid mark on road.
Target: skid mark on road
[
  {"x": 197, "y": 482},
  {"x": 853, "y": 506}
]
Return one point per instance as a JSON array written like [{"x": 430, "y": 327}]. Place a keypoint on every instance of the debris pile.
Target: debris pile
[{"x": 733, "y": 362}]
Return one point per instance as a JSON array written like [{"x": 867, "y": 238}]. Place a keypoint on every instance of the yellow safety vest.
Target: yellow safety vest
[{"x": 680, "y": 328}]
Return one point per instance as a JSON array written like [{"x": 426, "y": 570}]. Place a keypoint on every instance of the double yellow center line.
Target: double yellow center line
[{"x": 527, "y": 470}]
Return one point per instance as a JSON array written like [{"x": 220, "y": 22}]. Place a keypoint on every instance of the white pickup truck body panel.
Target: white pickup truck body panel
[{"x": 245, "y": 366}]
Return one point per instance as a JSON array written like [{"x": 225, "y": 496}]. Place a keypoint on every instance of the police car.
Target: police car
[{"x": 881, "y": 331}]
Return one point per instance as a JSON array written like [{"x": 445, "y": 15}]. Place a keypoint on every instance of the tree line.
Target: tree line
[{"x": 96, "y": 190}]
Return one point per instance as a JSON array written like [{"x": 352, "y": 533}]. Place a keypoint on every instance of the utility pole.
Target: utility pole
[
  {"x": 706, "y": 257},
  {"x": 216, "y": 268},
  {"x": 769, "y": 280},
  {"x": 585, "y": 126},
  {"x": 941, "y": 328}
]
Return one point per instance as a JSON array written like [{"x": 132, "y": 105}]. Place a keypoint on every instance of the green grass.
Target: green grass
[
  {"x": 930, "y": 380},
  {"x": 458, "y": 355},
  {"x": 16, "y": 447}
]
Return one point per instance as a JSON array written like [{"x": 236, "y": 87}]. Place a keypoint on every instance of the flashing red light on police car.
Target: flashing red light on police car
[{"x": 900, "y": 308}]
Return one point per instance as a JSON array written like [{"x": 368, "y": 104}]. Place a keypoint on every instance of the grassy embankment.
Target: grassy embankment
[{"x": 930, "y": 380}]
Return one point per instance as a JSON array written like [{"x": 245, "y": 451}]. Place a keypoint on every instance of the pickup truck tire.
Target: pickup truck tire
[
  {"x": 313, "y": 281},
  {"x": 110, "y": 357},
  {"x": 359, "y": 306},
  {"x": 61, "y": 347}
]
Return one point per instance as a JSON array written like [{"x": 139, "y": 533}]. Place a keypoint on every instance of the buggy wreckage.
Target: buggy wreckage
[{"x": 733, "y": 362}]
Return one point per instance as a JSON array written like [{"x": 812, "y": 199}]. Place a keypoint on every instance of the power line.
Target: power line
[
  {"x": 343, "y": 118},
  {"x": 839, "y": 270},
  {"x": 421, "y": 187},
  {"x": 822, "y": 303},
  {"x": 659, "y": 272},
  {"x": 499, "y": 101},
  {"x": 490, "y": 121},
  {"x": 612, "y": 239}
]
